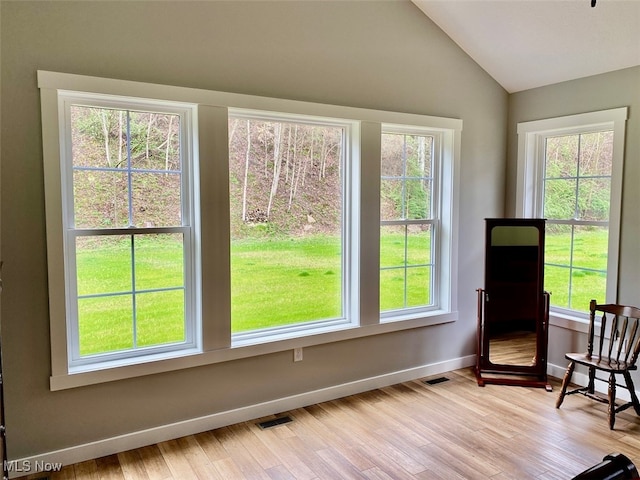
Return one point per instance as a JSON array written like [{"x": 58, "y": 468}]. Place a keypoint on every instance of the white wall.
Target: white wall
[{"x": 380, "y": 55}]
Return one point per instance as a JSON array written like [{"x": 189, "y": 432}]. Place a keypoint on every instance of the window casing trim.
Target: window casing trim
[
  {"x": 106, "y": 86},
  {"x": 119, "y": 370}
]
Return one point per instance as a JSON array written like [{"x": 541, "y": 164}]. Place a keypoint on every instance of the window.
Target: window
[
  {"x": 408, "y": 220},
  {"x": 571, "y": 174},
  {"x": 287, "y": 208},
  {"x": 187, "y": 227},
  {"x": 128, "y": 227}
]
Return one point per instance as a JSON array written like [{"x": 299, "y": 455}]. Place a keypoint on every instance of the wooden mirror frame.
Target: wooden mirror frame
[{"x": 513, "y": 296}]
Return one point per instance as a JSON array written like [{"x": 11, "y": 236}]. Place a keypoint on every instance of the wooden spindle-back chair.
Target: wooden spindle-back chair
[{"x": 616, "y": 353}]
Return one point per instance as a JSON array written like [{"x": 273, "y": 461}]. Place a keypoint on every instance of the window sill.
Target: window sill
[
  {"x": 119, "y": 370},
  {"x": 569, "y": 322}
]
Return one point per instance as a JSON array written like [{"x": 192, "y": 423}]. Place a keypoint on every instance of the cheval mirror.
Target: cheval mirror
[{"x": 513, "y": 308}]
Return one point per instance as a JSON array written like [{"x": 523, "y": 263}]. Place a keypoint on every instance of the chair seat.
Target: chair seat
[{"x": 605, "y": 364}]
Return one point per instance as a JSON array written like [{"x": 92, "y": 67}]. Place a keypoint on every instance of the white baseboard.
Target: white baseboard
[
  {"x": 121, "y": 443},
  {"x": 557, "y": 371}
]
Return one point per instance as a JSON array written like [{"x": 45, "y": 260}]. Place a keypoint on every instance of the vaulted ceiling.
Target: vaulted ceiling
[{"x": 525, "y": 44}]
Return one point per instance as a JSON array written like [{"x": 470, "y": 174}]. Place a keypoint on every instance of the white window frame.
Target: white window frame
[
  {"x": 433, "y": 221},
  {"x": 350, "y": 226},
  {"x": 211, "y": 195},
  {"x": 70, "y": 232},
  {"x": 529, "y": 186}
]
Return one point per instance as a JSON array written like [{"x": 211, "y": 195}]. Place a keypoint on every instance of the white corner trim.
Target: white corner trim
[{"x": 141, "y": 438}]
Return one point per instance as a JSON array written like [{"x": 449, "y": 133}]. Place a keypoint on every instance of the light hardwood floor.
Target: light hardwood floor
[{"x": 449, "y": 430}]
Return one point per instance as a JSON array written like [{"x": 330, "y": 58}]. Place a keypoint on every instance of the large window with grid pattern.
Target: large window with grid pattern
[
  {"x": 126, "y": 173},
  {"x": 408, "y": 214},
  {"x": 570, "y": 172}
]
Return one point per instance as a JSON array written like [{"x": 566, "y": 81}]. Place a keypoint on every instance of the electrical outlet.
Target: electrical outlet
[{"x": 297, "y": 354}]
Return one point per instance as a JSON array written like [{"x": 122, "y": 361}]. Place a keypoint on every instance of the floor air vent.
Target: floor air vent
[
  {"x": 275, "y": 422},
  {"x": 435, "y": 381}
]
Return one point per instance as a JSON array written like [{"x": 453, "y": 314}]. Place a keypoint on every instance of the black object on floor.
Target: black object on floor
[{"x": 614, "y": 466}]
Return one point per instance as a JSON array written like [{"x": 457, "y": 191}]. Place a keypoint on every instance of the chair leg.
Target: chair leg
[
  {"x": 592, "y": 377},
  {"x": 565, "y": 383},
  {"x": 632, "y": 392},
  {"x": 612, "y": 400}
]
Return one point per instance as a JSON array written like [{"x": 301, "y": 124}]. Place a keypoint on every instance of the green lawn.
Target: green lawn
[
  {"x": 275, "y": 283},
  {"x": 400, "y": 288},
  {"x": 590, "y": 253},
  {"x": 282, "y": 282},
  {"x": 159, "y": 314}
]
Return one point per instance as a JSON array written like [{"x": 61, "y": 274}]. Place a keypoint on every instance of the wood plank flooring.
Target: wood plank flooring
[{"x": 413, "y": 430}]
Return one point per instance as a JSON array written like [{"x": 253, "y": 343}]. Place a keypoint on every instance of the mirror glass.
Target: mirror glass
[
  {"x": 514, "y": 236},
  {"x": 513, "y": 348},
  {"x": 512, "y": 334}
]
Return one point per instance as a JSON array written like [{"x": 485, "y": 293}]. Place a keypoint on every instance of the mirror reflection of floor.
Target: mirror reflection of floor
[{"x": 513, "y": 348}]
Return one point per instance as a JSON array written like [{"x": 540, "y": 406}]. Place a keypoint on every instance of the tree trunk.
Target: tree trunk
[
  {"x": 105, "y": 132},
  {"x": 293, "y": 169},
  {"x": 323, "y": 154},
  {"x": 422, "y": 160},
  {"x": 286, "y": 165},
  {"x": 146, "y": 153},
  {"x": 234, "y": 126},
  {"x": 276, "y": 166},
  {"x": 120, "y": 138},
  {"x": 307, "y": 160},
  {"x": 166, "y": 155},
  {"x": 246, "y": 173}
]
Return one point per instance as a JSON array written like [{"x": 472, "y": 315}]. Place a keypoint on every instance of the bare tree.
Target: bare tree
[
  {"x": 167, "y": 150},
  {"x": 308, "y": 159},
  {"x": 277, "y": 165},
  {"x": 149, "y": 125},
  {"x": 120, "y": 137},
  {"x": 246, "y": 172},
  {"x": 105, "y": 132},
  {"x": 232, "y": 133},
  {"x": 293, "y": 184},
  {"x": 323, "y": 153},
  {"x": 264, "y": 134},
  {"x": 288, "y": 150}
]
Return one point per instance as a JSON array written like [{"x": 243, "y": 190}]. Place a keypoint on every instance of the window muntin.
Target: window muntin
[
  {"x": 576, "y": 203},
  {"x": 123, "y": 157},
  {"x": 287, "y": 211},
  {"x": 128, "y": 236},
  {"x": 408, "y": 222}
]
